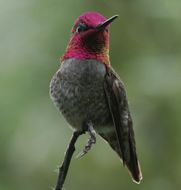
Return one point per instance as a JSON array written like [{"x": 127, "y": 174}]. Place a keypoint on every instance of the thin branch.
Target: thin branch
[{"x": 67, "y": 159}]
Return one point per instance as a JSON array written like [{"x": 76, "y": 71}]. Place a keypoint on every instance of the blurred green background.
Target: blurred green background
[{"x": 145, "y": 49}]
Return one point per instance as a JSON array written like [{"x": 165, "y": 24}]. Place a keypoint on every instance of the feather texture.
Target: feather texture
[{"x": 122, "y": 138}]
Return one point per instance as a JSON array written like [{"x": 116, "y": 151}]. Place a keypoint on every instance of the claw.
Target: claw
[{"x": 90, "y": 142}]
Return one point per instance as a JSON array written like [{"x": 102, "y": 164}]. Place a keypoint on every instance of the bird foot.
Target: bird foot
[{"x": 90, "y": 142}]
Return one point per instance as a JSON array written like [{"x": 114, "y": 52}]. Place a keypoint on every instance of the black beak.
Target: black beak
[{"x": 106, "y": 23}]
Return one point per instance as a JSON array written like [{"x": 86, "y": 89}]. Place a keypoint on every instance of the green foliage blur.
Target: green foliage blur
[{"x": 145, "y": 49}]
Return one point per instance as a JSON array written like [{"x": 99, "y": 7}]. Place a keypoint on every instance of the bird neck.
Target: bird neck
[{"x": 94, "y": 47}]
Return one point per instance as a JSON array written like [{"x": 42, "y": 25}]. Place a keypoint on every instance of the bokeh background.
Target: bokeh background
[{"x": 145, "y": 49}]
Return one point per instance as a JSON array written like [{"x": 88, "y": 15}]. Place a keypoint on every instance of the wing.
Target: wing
[{"x": 118, "y": 105}]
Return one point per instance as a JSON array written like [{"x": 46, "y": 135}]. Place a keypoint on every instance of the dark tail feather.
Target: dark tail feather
[{"x": 133, "y": 165}]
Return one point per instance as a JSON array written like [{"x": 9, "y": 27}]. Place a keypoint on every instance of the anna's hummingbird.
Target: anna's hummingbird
[{"x": 91, "y": 96}]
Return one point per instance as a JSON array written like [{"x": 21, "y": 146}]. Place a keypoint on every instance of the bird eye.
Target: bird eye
[{"x": 81, "y": 28}]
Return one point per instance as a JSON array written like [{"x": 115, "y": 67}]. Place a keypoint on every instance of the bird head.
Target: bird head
[{"x": 90, "y": 38}]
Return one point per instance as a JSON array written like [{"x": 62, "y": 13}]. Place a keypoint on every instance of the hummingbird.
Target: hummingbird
[{"x": 91, "y": 96}]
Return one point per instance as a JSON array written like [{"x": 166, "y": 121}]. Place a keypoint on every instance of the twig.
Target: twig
[{"x": 66, "y": 162}]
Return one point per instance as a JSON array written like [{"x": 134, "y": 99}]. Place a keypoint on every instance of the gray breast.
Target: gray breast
[{"x": 77, "y": 90}]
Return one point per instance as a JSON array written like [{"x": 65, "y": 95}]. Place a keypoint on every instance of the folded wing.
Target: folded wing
[{"x": 122, "y": 138}]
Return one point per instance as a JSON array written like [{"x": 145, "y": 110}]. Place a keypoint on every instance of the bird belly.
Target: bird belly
[{"x": 77, "y": 91}]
